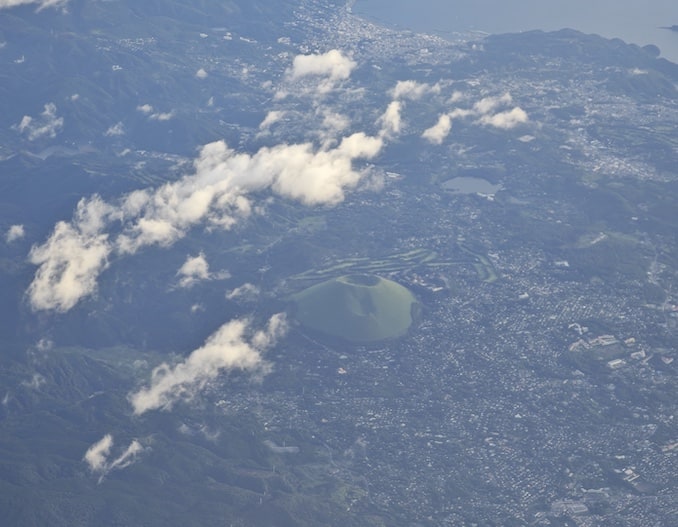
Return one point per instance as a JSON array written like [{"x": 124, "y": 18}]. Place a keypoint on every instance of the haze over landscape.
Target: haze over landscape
[
  {"x": 287, "y": 263},
  {"x": 633, "y": 21}
]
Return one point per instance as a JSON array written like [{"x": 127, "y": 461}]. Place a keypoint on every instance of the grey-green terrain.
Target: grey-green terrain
[
  {"x": 360, "y": 308},
  {"x": 175, "y": 175}
]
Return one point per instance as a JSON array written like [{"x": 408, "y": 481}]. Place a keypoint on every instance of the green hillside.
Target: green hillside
[{"x": 358, "y": 307}]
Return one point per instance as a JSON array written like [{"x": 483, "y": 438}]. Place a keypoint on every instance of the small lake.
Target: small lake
[{"x": 470, "y": 185}]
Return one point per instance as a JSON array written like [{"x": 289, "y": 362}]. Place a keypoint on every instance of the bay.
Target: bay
[{"x": 634, "y": 21}]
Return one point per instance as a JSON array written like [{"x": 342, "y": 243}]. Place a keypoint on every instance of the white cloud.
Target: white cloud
[
  {"x": 201, "y": 73},
  {"x": 334, "y": 122},
  {"x": 72, "y": 258},
  {"x": 391, "y": 120},
  {"x": 148, "y": 110},
  {"x": 458, "y": 113},
  {"x": 271, "y": 118},
  {"x": 331, "y": 64},
  {"x": 47, "y": 124},
  {"x": 506, "y": 120},
  {"x": 638, "y": 71},
  {"x": 145, "y": 108},
  {"x": 128, "y": 457},
  {"x": 318, "y": 177},
  {"x": 15, "y": 232},
  {"x": 36, "y": 382},
  {"x": 203, "y": 429},
  {"x": 482, "y": 110},
  {"x": 42, "y": 4},
  {"x": 413, "y": 90},
  {"x": 77, "y": 252},
  {"x": 225, "y": 350},
  {"x": 97, "y": 455},
  {"x": 489, "y": 104},
  {"x": 331, "y": 67},
  {"x": 193, "y": 270},
  {"x": 246, "y": 290},
  {"x": 439, "y": 131},
  {"x": 275, "y": 330},
  {"x": 117, "y": 129},
  {"x": 161, "y": 116},
  {"x": 455, "y": 97}
]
